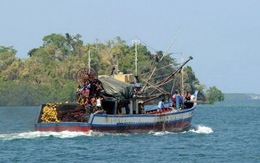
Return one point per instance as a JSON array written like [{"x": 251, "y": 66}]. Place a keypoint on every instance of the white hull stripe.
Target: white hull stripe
[{"x": 98, "y": 119}]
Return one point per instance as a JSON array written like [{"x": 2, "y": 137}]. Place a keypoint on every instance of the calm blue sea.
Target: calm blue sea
[{"x": 225, "y": 132}]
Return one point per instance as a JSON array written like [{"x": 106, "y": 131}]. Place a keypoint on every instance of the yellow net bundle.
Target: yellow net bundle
[{"x": 50, "y": 113}]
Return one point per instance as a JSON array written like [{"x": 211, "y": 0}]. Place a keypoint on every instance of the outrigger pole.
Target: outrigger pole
[
  {"x": 170, "y": 76},
  {"x": 164, "y": 54},
  {"x": 146, "y": 82},
  {"x": 158, "y": 89}
]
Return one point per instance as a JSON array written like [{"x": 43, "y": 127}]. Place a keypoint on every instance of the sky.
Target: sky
[{"x": 222, "y": 36}]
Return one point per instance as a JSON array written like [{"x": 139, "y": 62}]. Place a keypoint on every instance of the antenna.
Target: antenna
[{"x": 136, "y": 42}]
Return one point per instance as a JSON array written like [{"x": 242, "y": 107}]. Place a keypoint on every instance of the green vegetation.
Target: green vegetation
[
  {"x": 214, "y": 94},
  {"x": 49, "y": 72}
]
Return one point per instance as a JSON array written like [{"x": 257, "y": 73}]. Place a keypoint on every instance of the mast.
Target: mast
[
  {"x": 182, "y": 87},
  {"x": 89, "y": 61},
  {"x": 182, "y": 60},
  {"x": 136, "y": 42}
]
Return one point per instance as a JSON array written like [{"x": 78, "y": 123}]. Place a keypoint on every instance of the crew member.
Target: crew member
[{"x": 161, "y": 105}]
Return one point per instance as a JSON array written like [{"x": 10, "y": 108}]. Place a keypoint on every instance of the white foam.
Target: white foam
[
  {"x": 68, "y": 134},
  {"x": 255, "y": 97},
  {"x": 201, "y": 129},
  {"x": 62, "y": 135},
  {"x": 159, "y": 133},
  {"x": 37, "y": 134}
]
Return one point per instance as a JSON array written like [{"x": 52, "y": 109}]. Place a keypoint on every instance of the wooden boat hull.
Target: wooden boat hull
[
  {"x": 145, "y": 128},
  {"x": 142, "y": 123},
  {"x": 63, "y": 126},
  {"x": 127, "y": 123}
]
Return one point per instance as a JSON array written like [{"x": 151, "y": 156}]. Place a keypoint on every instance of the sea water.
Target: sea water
[{"x": 225, "y": 132}]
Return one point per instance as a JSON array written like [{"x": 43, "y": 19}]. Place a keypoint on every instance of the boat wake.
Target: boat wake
[
  {"x": 61, "y": 135},
  {"x": 200, "y": 129},
  {"x": 161, "y": 133},
  {"x": 38, "y": 134}
]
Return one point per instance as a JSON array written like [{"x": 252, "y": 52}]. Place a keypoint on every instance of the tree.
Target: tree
[
  {"x": 64, "y": 46},
  {"x": 214, "y": 94},
  {"x": 8, "y": 63},
  {"x": 48, "y": 75},
  {"x": 7, "y": 56},
  {"x": 191, "y": 79}
]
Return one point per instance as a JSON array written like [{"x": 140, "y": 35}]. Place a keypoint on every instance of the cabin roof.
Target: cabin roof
[{"x": 115, "y": 87}]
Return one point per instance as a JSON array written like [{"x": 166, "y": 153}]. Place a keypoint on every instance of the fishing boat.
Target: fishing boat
[{"x": 123, "y": 109}]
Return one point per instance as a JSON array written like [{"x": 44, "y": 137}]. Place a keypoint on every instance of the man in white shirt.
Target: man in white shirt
[{"x": 160, "y": 105}]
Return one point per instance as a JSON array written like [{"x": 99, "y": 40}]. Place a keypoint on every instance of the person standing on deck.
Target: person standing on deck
[
  {"x": 99, "y": 107},
  {"x": 160, "y": 105},
  {"x": 187, "y": 96},
  {"x": 174, "y": 98},
  {"x": 126, "y": 105},
  {"x": 177, "y": 100}
]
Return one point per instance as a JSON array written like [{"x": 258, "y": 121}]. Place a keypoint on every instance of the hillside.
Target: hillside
[{"x": 49, "y": 72}]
